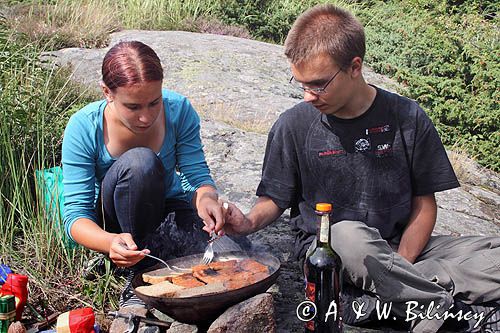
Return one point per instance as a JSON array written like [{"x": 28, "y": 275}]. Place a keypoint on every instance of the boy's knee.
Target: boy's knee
[
  {"x": 358, "y": 246},
  {"x": 350, "y": 239}
]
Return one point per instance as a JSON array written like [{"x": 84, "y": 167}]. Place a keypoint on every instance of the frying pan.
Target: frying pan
[{"x": 206, "y": 308}]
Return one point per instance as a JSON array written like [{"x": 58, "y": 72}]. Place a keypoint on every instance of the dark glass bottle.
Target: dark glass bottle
[{"x": 323, "y": 279}]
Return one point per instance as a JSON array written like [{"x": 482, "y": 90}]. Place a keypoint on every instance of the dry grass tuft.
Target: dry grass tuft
[
  {"x": 64, "y": 24},
  {"x": 88, "y": 23},
  {"x": 216, "y": 27}
]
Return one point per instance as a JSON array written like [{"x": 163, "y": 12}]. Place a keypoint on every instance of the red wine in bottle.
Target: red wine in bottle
[{"x": 323, "y": 279}]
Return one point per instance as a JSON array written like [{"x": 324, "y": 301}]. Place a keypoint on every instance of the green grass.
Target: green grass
[
  {"x": 162, "y": 14},
  {"x": 35, "y": 104}
]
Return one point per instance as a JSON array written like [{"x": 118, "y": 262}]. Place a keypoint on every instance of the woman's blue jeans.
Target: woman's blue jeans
[{"x": 133, "y": 201}]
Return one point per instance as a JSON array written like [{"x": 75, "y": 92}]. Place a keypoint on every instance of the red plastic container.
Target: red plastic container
[
  {"x": 76, "y": 321},
  {"x": 17, "y": 285}
]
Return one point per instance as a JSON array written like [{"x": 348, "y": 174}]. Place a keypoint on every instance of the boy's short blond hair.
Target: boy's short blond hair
[{"x": 325, "y": 29}]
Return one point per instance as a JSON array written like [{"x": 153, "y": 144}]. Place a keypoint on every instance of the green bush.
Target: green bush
[
  {"x": 448, "y": 62},
  {"x": 267, "y": 20}
]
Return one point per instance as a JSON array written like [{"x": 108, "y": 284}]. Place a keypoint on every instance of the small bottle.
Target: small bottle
[
  {"x": 7, "y": 312},
  {"x": 323, "y": 278}
]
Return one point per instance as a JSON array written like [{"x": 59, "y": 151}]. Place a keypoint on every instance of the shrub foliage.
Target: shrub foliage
[{"x": 447, "y": 57}]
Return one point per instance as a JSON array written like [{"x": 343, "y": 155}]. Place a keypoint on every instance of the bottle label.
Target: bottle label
[
  {"x": 310, "y": 325},
  {"x": 310, "y": 295},
  {"x": 311, "y": 291},
  {"x": 324, "y": 228}
]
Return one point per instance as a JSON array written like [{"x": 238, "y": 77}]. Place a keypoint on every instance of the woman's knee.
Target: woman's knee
[
  {"x": 136, "y": 178},
  {"x": 141, "y": 162}
]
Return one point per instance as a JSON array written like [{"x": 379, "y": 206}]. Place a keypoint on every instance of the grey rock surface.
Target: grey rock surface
[
  {"x": 247, "y": 78},
  {"x": 120, "y": 325},
  {"x": 149, "y": 329},
  {"x": 238, "y": 85},
  {"x": 255, "y": 315},
  {"x": 182, "y": 328}
]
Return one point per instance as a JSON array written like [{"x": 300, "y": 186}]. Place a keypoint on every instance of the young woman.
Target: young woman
[{"x": 131, "y": 159}]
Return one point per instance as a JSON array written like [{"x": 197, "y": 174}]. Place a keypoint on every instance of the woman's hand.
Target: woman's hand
[
  {"x": 210, "y": 209},
  {"x": 123, "y": 251}
]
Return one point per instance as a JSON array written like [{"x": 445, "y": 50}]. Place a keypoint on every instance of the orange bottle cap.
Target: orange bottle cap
[{"x": 323, "y": 207}]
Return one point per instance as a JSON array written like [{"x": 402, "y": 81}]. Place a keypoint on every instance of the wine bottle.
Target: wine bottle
[{"x": 323, "y": 279}]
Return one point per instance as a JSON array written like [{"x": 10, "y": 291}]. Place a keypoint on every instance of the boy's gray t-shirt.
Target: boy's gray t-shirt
[{"x": 369, "y": 167}]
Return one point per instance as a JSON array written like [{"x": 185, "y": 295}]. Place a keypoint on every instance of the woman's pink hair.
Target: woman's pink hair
[{"x": 129, "y": 63}]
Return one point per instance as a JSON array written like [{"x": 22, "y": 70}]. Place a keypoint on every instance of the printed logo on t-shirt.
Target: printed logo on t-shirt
[
  {"x": 331, "y": 152},
  {"x": 362, "y": 145},
  {"x": 383, "y": 150},
  {"x": 379, "y": 129}
]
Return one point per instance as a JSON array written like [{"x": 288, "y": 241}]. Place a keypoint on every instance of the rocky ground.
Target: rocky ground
[{"x": 239, "y": 87}]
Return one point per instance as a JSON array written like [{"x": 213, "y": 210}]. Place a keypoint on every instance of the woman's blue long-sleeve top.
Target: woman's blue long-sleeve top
[{"x": 86, "y": 160}]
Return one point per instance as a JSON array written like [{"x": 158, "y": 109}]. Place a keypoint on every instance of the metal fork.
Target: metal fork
[
  {"x": 173, "y": 268},
  {"x": 160, "y": 260},
  {"x": 208, "y": 256}
]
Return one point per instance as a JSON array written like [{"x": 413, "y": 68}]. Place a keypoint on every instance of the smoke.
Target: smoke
[{"x": 174, "y": 240}]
